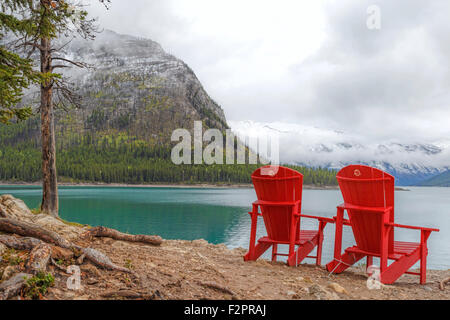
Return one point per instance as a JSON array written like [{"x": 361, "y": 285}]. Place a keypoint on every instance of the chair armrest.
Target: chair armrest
[
  {"x": 323, "y": 219},
  {"x": 276, "y": 203},
  {"x": 362, "y": 208},
  {"x": 411, "y": 227}
]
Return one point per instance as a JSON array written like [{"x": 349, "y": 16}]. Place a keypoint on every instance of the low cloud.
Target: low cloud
[{"x": 310, "y": 63}]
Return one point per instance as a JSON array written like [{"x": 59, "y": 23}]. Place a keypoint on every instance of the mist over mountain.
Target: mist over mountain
[
  {"x": 411, "y": 162},
  {"x": 137, "y": 86}
]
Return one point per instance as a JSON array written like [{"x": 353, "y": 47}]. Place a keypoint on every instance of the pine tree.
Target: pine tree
[
  {"x": 16, "y": 73},
  {"x": 41, "y": 23}
]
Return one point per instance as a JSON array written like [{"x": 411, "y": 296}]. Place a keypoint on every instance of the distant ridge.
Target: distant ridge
[{"x": 441, "y": 180}]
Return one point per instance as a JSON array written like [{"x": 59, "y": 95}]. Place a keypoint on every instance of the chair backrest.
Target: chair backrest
[
  {"x": 278, "y": 184},
  {"x": 368, "y": 187}
]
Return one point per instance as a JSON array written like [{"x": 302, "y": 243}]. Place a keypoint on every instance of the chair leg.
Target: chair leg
[
  {"x": 369, "y": 261},
  {"x": 319, "y": 244},
  {"x": 337, "y": 240},
  {"x": 423, "y": 256},
  {"x": 293, "y": 230},
  {"x": 274, "y": 252},
  {"x": 251, "y": 247}
]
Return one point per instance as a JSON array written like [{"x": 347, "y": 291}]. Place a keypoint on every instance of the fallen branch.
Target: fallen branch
[
  {"x": 122, "y": 293},
  {"x": 102, "y": 260},
  {"x": 58, "y": 266},
  {"x": 39, "y": 258},
  {"x": 80, "y": 259},
  {"x": 33, "y": 230},
  {"x": 16, "y": 243},
  {"x": 12, "y": 287},
  {"x": 443, "y": 283},
  {"x": 114, "y": 234}
]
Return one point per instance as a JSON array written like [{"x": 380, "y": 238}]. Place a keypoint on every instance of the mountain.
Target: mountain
[
  {"x": 132, "y": 99},
  {"x": 410, "y": 162},
  {"x": 138, "y": 86},
  {"x": 441, "y": 180}
]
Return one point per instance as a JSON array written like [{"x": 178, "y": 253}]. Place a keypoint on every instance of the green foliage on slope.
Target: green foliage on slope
[{"x": 114, "y": 156}]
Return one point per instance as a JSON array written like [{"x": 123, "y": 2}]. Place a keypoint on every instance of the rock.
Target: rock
[
  {"x": 427, "y": 288},
  {"x": 8, "y": 272},
  {"x": 3, "y": 249},
  {"x": 337, "y": 288},
  {"x": 59, "y": 253},
  {"x": 290, "y": 293},
  {"x": 321, "y": 293}
]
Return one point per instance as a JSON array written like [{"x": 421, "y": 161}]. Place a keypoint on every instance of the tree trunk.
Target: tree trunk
[{"x": 49, "y": 178}]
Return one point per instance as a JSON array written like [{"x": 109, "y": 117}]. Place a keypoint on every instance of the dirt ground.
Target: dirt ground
[{"x": 198, "y": 270}]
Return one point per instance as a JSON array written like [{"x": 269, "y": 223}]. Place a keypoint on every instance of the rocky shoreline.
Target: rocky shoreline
[{"x": 178, "y": 269}]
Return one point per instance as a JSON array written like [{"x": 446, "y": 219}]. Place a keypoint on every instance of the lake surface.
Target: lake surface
[{"x": 220, "y": 215}]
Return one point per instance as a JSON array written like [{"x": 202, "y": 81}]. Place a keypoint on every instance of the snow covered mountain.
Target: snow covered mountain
[{"x": 410, "y": 162}]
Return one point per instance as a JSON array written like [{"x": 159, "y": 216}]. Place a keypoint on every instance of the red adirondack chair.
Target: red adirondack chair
[
  {"x": 279, "y": 192},
  {"x": 369, "y": 201}
]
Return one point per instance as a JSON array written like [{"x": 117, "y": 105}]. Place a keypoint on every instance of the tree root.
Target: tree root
[
  {"x": 39, "y": 258},
  {"x": 16, "y": 243},
  {"x": 443, "y": 283},
  {"x": 217, "y": 287},
  {"x": 114, "y": 234},
  {"x": 27, "y": 229},
  {"x": 33, "y": 230},
  {"x": 102, "y": 260},
  {"x": 122, "y": 293},
  {"x": 57, "y": 265},
  {"x": 12, "y": 287}
]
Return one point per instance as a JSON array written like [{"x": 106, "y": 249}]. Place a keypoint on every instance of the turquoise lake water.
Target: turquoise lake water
[{"x": 220, "y": 215}]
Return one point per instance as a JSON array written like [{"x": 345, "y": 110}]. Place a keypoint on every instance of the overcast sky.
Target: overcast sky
[{"x": 313, "y": 63}]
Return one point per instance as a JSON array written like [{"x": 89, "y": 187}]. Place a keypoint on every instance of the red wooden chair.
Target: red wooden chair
[
  {"x": 369, "y": 201},
  {"x": 279, "y": 192}
]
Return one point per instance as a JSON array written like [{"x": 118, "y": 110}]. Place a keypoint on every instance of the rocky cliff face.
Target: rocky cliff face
[{"x": 135, "y": 86}]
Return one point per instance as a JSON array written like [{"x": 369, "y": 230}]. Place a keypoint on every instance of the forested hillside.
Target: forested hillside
[
  {"x": 131, "y": 101},
  {"x": 116, "y": 157}
]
